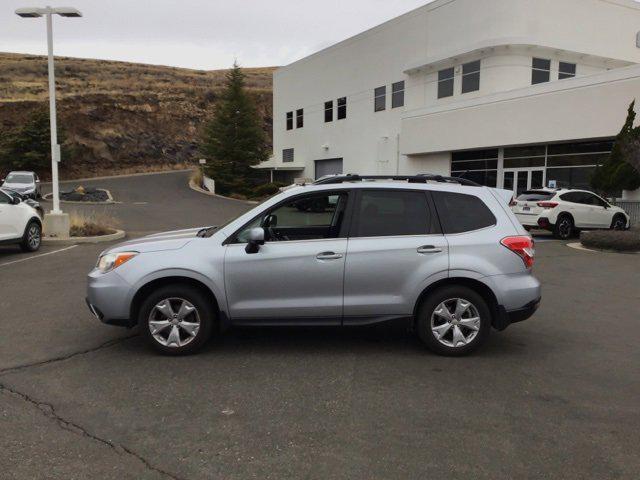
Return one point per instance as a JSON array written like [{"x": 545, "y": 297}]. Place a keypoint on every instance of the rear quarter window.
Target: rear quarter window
[{"x": 461, "y": 213}]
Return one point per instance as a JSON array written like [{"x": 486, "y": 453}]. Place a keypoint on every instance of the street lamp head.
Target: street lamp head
[
  {"x": 31, "y": 12},
  {"x": 67, "y": 12}
]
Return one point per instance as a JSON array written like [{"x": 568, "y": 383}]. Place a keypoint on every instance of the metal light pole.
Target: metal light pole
[{"x": 55, "y": 148}]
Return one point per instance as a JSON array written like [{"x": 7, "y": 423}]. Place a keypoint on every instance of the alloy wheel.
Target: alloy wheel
[
  {"x": 619, "y": 223},
  {"x": 455, "y": 322},
  {"x": 33, "y": 236},
  {"x": 564, "y": 228},
  {"x": 174, "y": 322}
]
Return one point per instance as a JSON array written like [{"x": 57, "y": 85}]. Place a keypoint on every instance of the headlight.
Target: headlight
[{"x": 111, "y": 261}]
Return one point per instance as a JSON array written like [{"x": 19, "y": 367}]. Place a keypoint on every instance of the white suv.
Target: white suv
[
  {"x": 565, "y": 211},
  {"x": 19, "y": 223}
]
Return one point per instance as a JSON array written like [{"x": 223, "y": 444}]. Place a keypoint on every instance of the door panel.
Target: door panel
[
  {"x": 286, "y": 280},
  {"x": 10, "y": 219},
  {"x": 383, "y": 274}
]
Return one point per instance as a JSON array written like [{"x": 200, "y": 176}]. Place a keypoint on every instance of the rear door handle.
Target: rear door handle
[
  {"x": 329, "y": 256},
  {"x": 429, "y": 249}
]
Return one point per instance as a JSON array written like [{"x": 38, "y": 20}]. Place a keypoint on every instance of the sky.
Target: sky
[{"x": 200, "y": 34}]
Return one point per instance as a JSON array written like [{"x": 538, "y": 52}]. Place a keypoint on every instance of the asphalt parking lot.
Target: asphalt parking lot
[{"x": 553, "y": 397}]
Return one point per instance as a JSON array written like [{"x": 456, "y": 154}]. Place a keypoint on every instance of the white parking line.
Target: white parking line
[{"x": 37, "y": 256}]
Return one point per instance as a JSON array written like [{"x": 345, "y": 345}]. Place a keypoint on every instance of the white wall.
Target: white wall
[{"x": 585, "y": 31}]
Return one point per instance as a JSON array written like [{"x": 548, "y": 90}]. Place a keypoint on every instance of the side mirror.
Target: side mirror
[
  {"x": 15, "y": 200},
  {"x": 256, "y": 238}
]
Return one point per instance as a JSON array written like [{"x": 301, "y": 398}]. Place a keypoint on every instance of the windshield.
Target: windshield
[
  {"x": 535, "y": 196},
  {"x": 19, "y": 178}
]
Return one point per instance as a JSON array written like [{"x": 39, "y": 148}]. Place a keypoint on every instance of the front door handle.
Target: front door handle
[
  {"x": 329, "y": 256},
  {"x": 429, "y": 249}
]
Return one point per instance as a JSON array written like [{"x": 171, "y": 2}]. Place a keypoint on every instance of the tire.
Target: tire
[
  {"x": 449, "y": 342},
  {"x": 32, "y": 238},
  {"x": 197, "y": 308},
  {"x": 619, "y": 222},
  {"x": 564, "y": 227}
]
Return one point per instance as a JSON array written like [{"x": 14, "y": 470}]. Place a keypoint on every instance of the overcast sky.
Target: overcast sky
[{"x": 204, "y": 34}]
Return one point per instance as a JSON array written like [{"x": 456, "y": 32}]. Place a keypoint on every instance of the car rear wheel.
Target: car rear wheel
[
  {"x": 564, "y": 228},
  {"x": 619, "y": 223},
  {"x": 454, "y": 321},
  {"x": 176, "y": 319},
  {"x": 32, "y": 237}
]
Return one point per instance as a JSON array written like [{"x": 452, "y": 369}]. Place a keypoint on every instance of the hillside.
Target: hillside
[{"x": 122, "y": 117}]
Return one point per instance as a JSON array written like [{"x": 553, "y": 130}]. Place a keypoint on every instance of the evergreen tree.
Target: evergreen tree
[
  {"x": 618, "y": 171},
  {"x": 234, "y": 139},
  {"x": 28, "y": 147}
]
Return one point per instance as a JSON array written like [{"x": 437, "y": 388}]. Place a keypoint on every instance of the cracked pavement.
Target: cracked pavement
[{"x": 555, "y": 396}]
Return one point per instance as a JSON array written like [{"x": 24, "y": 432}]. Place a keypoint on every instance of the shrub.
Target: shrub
[
  {"x": 267, "y": 189},
  {"x": 197, "y": 177},
  {"x": 621, "y": 241},
  {"x": 92, "y": 224}
]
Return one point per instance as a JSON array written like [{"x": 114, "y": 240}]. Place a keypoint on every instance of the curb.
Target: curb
[
  {"x": 126, "y": 175},
  {"x": 198, "y": 189},
  {"x": 78, "y": 240},
  {"x": 579, "y": 246},
  {"x": 110, "y": 201}
]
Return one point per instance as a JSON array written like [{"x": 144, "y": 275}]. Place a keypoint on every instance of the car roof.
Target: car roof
[{"x": 387, "y": 184}]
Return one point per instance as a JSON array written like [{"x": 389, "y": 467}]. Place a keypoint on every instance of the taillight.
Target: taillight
[
  {"x": 548, "y": 204},
  {"x": 521, "y": 246}
]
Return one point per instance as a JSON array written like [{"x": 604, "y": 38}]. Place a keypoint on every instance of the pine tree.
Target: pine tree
[
  {"x": 234, "y": 140},
  {"x": 618, "y": 171},
  {"x": 28, "y": 147}
]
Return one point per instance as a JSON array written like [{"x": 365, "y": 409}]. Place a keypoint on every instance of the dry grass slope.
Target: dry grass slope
[{"x": 122, "y": 116}]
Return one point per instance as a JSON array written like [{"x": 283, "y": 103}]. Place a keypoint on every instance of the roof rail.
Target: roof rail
[{"x": 421, "y": 178}]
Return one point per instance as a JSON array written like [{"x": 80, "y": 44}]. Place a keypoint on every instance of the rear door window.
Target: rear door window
[
  {"x": 386, "y": 213},
  {"x": 462, "y": 213}
]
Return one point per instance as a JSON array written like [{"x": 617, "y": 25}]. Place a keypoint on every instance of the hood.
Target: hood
[
  {"x": 18, "y": 187},
  {"x": 157, "y": 242}
]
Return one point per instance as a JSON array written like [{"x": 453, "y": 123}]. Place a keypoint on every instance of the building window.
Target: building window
[
  {"x": 300, "y": 118},
  {"x": 471, "y": 77},
  {"x": 480, "y": 166},
  {"x": 342, "y": 108},
  {"x": 445, "y": 82},
  {"x": 567, "y": 70},
  {"x": 328, "y": 111},
  {"x": 380, "y": 99},
  {"x": 541, "y": 72},
  {"x": 397, "y": 95},
  {"x": 289, "y": 120},
  {"x": 287, "y": 155}
]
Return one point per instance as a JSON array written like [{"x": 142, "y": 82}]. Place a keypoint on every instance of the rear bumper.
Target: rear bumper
[
  {"x": 527, "y": 220},
  {"x": 506, "y": 318},
  {"x": 545, "y": 223}
]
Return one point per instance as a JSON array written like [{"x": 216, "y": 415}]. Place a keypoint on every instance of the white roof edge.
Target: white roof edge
[
  {"x": 503, "y": 42},
  {"x": 432, "y": 5}
]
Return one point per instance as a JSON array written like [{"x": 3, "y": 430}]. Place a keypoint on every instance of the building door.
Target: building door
[
  {"x": 521, "y": 179},
  {"x": 331, "y": 166}
]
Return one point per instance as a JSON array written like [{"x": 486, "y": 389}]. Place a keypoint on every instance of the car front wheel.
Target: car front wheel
[
  {"x": 176, "y": 319},
  {"x": 619, "y": 223},
  {"x": 454, "y": 321},
  {"x": 32, "y": 237}
]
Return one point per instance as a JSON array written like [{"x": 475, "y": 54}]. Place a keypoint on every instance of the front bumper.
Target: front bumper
[{"x": 108, "y": 298}]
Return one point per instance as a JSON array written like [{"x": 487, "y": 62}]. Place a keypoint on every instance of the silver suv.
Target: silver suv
[{"x": 445, "y": 253}]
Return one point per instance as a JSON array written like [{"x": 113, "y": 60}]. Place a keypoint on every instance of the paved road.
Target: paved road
[{"x": 553, "y": 397}]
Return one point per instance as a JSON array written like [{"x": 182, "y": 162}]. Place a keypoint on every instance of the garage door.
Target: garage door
[{"x": 332, "y": 166}]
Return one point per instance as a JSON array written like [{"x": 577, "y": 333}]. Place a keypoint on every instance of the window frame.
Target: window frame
[
  {"x": 7, "y": 197},
  {"x": 328, "y": 110},
  {"x": 535, "y": 69},
  {"x": 397, "y": 91},
  {"x": 341, "y": 108},
  {"x": 380, "y": 93},
  {"x": 300, "y": 118},
  {"x": 564, "y": 74},
  {"x": 468, "y": 75},
  {"x": 344, "y": 228},
  {"x": 441, "y": 81},
  {"x": 434, "y": 223},
  {"x": 289, "y": 121}
]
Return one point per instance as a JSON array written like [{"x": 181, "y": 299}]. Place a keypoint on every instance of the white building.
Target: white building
[{"x": 515, "y": 93}]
